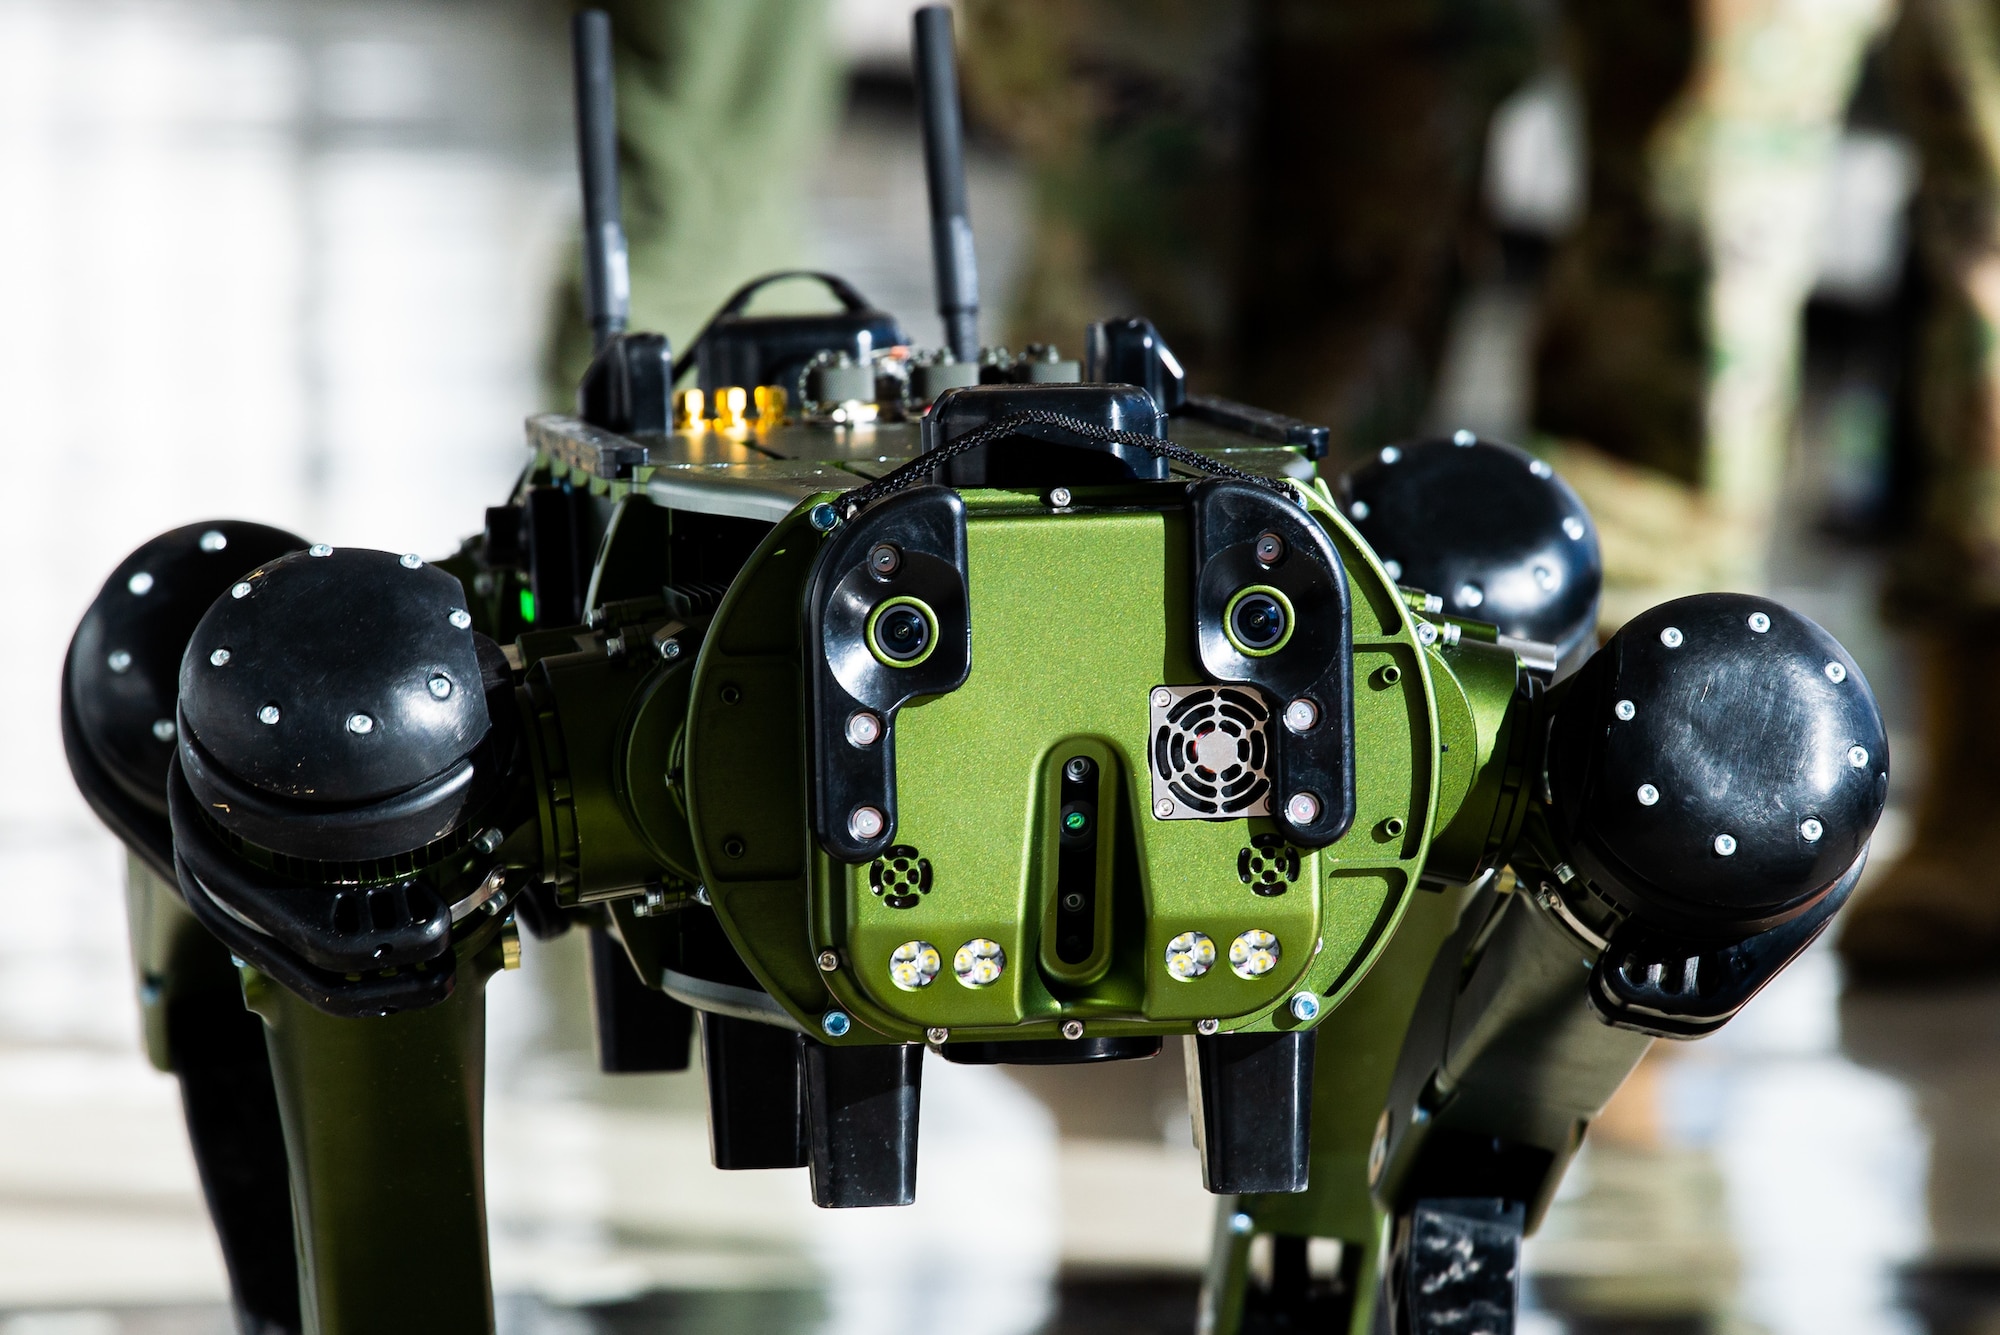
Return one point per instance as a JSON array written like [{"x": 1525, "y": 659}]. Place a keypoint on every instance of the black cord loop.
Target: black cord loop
[{"x": 921, "y": 467}]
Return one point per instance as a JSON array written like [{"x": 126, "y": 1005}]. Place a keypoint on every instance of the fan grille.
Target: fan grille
[{"x": 1210, "y": 753}]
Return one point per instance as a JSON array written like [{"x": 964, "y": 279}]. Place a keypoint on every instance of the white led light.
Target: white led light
[
  {"x": 1190, "y": 955},
  {"x": 163, "y": 729},
  {"x": 213, "y": 541},
  {"x": 1254, "y": 953},
  {"x": 979, "y": 962},
  {"x": 915, "y": 964},
  {"x": 141, "y": 583},
  {"x": 1470, "y": 595},
  {"x": 1390, "y": 454},
  {"x": 1359, "y": 509},
  {"x": 1541, "y": 469},
  {"x": 1462, "y": 438},
  {"x": 119, "y": 660},
  {"x": 1393, "y": 569}
]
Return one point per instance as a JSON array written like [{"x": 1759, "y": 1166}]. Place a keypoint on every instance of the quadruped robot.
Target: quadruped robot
[{"x": 859, "y": 699}]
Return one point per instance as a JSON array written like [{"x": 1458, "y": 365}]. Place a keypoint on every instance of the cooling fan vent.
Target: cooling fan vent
[{"x": 1210, "y": 754}]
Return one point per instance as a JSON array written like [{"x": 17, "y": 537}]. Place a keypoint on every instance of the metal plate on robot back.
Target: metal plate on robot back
[{"x": 1210, "y": 753}]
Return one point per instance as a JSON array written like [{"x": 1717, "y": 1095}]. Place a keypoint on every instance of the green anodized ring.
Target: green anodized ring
[
  {"x": 1229, "y": 620},
  {"x": 923, "y": 609}
]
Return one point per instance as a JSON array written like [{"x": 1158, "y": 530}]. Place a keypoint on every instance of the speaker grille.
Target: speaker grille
[{"x": 1210, "y": 752}]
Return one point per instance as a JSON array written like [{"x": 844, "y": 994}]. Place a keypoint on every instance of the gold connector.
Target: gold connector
[
  {"x": 690, "y": 410},
  {"x": 771, "y": 401},
  {"x": 730, "y": 402}
]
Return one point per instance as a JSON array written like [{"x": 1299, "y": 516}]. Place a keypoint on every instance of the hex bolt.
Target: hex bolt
[
  {"x": 835, "y": 1023},
  {"x": 1072, "y": 1029},
  {"x": 1305, "y": 1007},
  {"x": 829, "y": 960}
]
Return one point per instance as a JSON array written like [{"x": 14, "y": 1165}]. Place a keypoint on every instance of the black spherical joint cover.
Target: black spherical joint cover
[
  {"x": 1718, "y": 766},
  {"x": 1489, "y": 529},
  {"x": 336, "y": 676},
  {"x": 123, "y": 668}
]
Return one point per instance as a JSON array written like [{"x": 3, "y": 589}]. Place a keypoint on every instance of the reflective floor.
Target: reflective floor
[{"x": 290, "y": 261}]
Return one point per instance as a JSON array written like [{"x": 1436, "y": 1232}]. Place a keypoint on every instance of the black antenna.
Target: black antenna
[
  {"x": 607, "y": 283},
  {"x": 952, "y": 257}
]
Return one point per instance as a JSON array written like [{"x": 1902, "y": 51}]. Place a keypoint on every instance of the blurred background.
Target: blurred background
[{"x": 1726, "y": 264}]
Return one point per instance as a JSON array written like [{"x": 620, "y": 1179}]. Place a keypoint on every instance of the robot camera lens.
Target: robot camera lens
[
  {"x": 1258, "y": 621},
  {"x": 901, "y": 633}
]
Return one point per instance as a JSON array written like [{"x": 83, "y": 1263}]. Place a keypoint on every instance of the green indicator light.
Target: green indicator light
[
  {"x": 528, "y": 605},
  {"x": 1076, "y": 820}
]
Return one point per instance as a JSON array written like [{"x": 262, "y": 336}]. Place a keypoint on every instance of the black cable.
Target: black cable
[{"x": 931, "y": 460}]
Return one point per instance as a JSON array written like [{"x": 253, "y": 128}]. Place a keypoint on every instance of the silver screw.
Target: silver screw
[
  {"x": 240, "y": 589},
  {"x": 1725, "y": 845},
  {"x": 1427, "y": 634},
  {"x": 1163, "y": 808},
  {"x": 1648, "y": 794},
  {"x": 1301, "y": 715},
  {"x": 1305, "y": 1007},
  {"x": 1462, "y": 438},
  {"x": 411, "y": 560},
  {"x": 213, "y": 541},
  {"x": 1059, "y": 497},
  {"x": 1269, "y": 548},
  {"x": 163, "y": 729},
  {"x": 1469, "y": 595},
  {"x": 461, "y": 618},
  {"x": 1836, "y": 673},
  {"x": 1076, "y": 768},
  {"x": 1072, "y": 1029},
  {"x": 220, "y": 658},
  {"x": 865, "y": 823},
  {"x": 670, "y": 650},
  {"x": 1390, "y": 454},
  {"x": 937, "y": 1033},
  {"x": 835, "y": 1023},
  {"x": 1162, "y": 697},
  {"x": 119, "y": 661},
  {"x": 1857, "y": 756},
  {"x": 1671, "y": 637},
  {"x": 360, "y": 724},
  {"x": 268, "y": 714},
  {"x": 1359, "y": 509},
  {"x": 1240, "y": 1223},
  {"x": 1207, "y": 1027},
  {"x": 701, "y": 896},
  {"x": 829, "y": 960},
  {"x": 1573, "y": 528},
  {"x": 1810, "y": 830},
  {"x": 1393, "y": 569},
  {"x": 319, "y": 549},
  {"x": 1759, "y": 622},
  {"x": 884, "y": 560},
  {"x": 1625, "y": 709},
  {"x": 140, "y": 584},
  {"x": 1302, "y": 808},
  {"x": 487, "y": 840},
  {"x": 440, "y": 687},
  {"x": 863, "y": 729}
]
